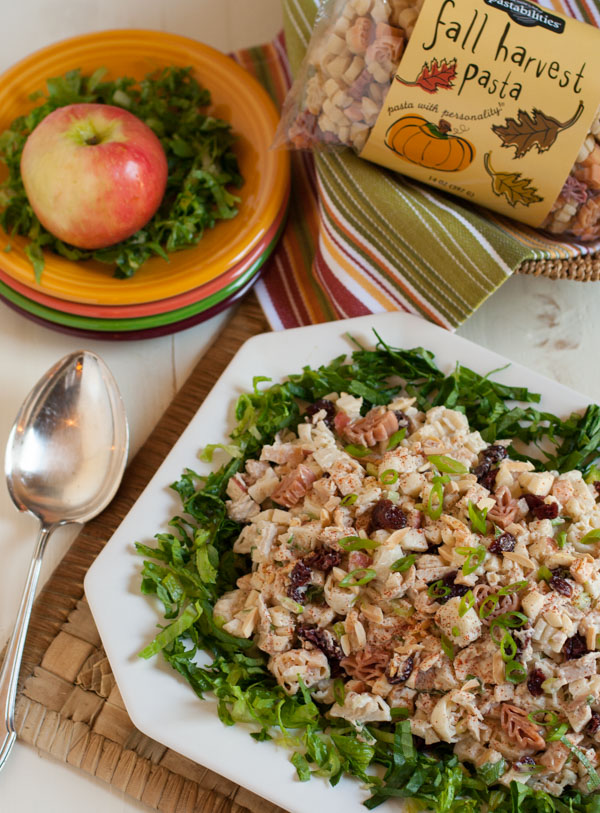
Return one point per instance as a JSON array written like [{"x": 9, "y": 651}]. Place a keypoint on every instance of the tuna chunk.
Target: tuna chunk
[
  {"x": 378, "y": 424},
  {"x": 294, "y": 486}
]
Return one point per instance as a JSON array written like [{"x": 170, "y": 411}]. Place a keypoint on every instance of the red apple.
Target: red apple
[{"x": 94, "y": 174}]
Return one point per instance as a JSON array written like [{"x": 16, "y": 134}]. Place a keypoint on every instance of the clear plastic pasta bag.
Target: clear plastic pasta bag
[{"x": 351, "y": 62}]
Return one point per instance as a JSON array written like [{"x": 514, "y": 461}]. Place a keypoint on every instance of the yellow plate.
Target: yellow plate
[{"x": 236, "y": 97}]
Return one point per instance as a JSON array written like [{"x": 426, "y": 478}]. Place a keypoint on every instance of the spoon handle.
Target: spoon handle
[{"x": 14, "y": 651}]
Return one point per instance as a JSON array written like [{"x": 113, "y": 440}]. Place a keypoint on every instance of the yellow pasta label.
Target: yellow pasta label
[{"x": 492, "y": 101}]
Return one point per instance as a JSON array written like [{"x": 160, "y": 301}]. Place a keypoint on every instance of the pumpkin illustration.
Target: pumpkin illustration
[{"x": 421, "y": 142}]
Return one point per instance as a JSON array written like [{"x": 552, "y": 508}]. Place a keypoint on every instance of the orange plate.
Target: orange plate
[{"x": 236, "y": 97}]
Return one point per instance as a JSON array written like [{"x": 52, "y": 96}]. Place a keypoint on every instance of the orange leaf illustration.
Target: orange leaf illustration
[
  {"x": 510, "y": 184},
  {"x": 438, "y": 75},
  {"x": 535, "y": 130}
]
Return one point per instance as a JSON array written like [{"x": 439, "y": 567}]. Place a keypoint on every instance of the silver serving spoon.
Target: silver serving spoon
[{"x": 64, "y": 462}]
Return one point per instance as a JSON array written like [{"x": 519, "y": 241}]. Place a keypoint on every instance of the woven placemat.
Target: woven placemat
[{"x": 68, "y": 704}]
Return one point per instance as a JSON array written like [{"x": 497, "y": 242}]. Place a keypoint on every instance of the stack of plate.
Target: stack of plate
[{"x": 162, "y": 297}]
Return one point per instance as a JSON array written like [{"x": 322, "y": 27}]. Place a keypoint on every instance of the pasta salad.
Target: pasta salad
[{"x": 392, "y": 587}]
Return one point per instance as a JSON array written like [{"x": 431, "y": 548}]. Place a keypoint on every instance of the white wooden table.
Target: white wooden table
[{"x": 549, "y": 326}]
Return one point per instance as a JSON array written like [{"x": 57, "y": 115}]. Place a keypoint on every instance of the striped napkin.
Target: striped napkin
[{"x": 361, "y": 239}]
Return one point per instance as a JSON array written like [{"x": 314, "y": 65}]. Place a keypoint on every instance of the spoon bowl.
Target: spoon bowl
[
  {"x": 65, "y": 458},
  {"x": 67, "y": 448}
]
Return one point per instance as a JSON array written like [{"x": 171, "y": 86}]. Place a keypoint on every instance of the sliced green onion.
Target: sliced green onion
[
  {"x": 403, "y": 612},
  {"x": 592, "y": 475},
  {"x": 339, "y": 691},
  {"x": 591, "y": 537},
  {"x": 456, "y": 632},
  {"x": 357, "y": 451},
  {"x": 400, "y": 713},
  {"x": 349, "y": 499},
  {"x": 544, "y": 574},
  {"x": 447, "y": 647},
  {"x": 543, "y": 717},
  {"x": 389, "y": 476},
  {"x": 497, "y": 625},
  {"x": 484, "y": 610},
  {"x": 434, "y": 511},
  {"x": 372, "y": 469},
  {"x": 354, "y": 578},
  {"x": 508, "y": 647},
  {"x": 530, "y": 770},
  {"x": 558, "y": 521},
  {"x": 403, "y": 564},
  {"x": 561, "y": 539},
  {"x": 396, "y": 438},
  {"x": 438, "y": 590},
  {"x": 291, "y": 605},
  {"x": 447, "y": 464},
  {"x": 474, "y": 558},
  {"x": 594, "y": 782},
  {"x": 349, "y": 543},
  {"x": 477, "y": 518},
  {"x": 339, "y": 629},
  {"x": 512, "y": 588},
  {"x": 466, "y": 602},
  {"x": 513, "y": 620},
  {"x": 557, "y": 733},
  {"x": 515, "y": 672}
]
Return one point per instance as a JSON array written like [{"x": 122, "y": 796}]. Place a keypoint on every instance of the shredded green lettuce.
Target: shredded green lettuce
[
  {"x": 202, "y": 166},
  {"x": 194, "y": 564}
]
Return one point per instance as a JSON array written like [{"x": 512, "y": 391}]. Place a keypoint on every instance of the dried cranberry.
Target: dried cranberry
[
  {"x": 504, "y": 543},
  {"x": 574, "y": 647},
  {"x": 594, "y": 724},
  {"x": 485, "y": 471},
  {"x": 559, "y": 581},
  {"x": 323, "y": 559},
  {"x": 486, "y": 475},
  {"x": 299, "y": 576},
  {"x": 523, "y": 763},
  {"x": 403, "y": 674},
  {"x": 534, "y": 682},
  {"x": 540, "y": 509},
  {"x": 317, "y": 406},
  {"x": 455, "y": 589},
  {"x": 596, "y": 485},
  {"x": 494, "y": 453},
  {"x": 403, "y": 420},
  {"x": 324, "y": 640},
  {"x": 388, "y": 516}
]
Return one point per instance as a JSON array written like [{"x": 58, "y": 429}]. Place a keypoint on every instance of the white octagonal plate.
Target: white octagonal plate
[{"x": 159, "y": 701}]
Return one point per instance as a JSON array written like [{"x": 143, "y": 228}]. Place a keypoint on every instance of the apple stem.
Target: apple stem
[{"x": 92, "y": 140}]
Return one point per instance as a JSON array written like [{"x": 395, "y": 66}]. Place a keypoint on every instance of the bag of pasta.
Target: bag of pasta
[{"x": 496, "y": 101}]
